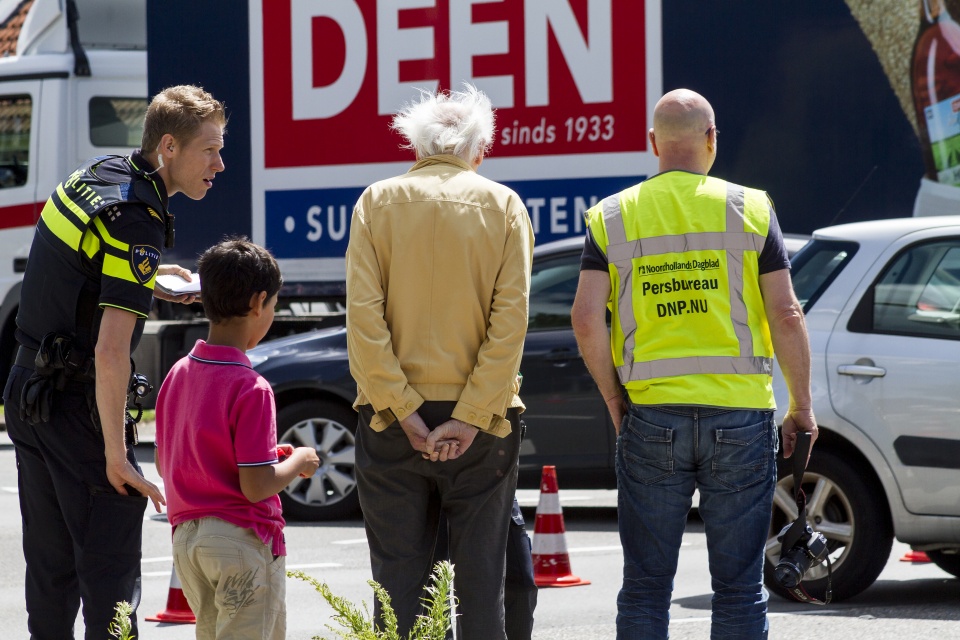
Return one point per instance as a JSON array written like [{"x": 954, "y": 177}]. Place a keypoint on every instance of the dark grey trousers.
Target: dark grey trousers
[{"x": 402, "y": 496}]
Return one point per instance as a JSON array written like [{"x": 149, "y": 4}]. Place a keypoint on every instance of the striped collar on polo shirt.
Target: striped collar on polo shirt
[{"x": 218, "y": 355}]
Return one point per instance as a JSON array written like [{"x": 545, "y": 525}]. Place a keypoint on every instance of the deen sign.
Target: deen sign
[
  {"x": 573, "y": 82},
  {"x": 566, "y": 76}
]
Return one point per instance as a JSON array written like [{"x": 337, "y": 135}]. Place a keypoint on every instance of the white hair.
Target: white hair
[{"x": 455, "y": 122}]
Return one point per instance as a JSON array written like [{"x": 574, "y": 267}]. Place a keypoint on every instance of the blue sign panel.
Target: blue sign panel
[
  {"x": 556, "y": 207},
  {"x": 309, "y": 223},
  {"x": 315, "y": 223}
]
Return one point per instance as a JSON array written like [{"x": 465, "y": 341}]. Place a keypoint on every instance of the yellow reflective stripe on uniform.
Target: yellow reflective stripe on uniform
[
  {"x": 118, "y": 268},
  {"x": 60, "y": 226},
  {"x": 116, "y": 306},
  {"x": 110, "y": 240},
  {"x": 90, "y": 244},
  {"x": 73, "y": 206}
]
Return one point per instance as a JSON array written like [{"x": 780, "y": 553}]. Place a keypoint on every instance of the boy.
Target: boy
[{"x": 217, "y": 451}]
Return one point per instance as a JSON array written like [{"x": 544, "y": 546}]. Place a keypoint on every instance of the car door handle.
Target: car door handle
[{"x": 861, "y": 370}]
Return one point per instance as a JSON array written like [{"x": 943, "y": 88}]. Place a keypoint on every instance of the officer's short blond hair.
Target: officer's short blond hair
[{"x": 179, "y": 111}]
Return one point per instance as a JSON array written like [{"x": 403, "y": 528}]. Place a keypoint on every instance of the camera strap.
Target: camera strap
[{"x": 800, "y": 454}]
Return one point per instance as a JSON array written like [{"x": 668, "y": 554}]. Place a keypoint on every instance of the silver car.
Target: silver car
[{"x": 882, "y": 302}]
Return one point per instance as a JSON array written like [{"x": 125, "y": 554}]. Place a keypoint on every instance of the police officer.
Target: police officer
[{"x": 88, "y": 287}]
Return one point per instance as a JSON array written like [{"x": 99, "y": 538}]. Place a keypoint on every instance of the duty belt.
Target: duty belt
[{"x": 27, "y": 358}]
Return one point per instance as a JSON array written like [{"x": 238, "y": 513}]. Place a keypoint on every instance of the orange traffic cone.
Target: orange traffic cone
[
  {"x": 178, "y": 609},
  {"x": 551, "y": 562},
  {"x": 915, "y": 556}
]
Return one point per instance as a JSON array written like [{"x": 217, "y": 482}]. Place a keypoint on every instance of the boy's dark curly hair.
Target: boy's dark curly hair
[{"x": 231, "y": 273}]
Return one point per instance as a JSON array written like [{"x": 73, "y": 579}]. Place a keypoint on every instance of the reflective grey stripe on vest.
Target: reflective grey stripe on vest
[{"x": 621, "y": 252}]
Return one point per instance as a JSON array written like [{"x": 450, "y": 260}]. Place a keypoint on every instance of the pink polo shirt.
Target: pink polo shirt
[{"x": 215, "y": 414}]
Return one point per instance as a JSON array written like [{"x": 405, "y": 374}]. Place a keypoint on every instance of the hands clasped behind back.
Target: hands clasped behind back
[{"x": 448, "y": 441}]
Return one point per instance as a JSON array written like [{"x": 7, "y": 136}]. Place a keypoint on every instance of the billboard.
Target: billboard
[
  {"x": 828, "y": 105},
  {"x": 572, "y": 81}
]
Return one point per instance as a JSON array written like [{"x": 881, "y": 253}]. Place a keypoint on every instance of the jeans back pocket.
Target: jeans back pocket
[
  {"x": 646, "y": 450},
  {"x": 743, "y": 455}
]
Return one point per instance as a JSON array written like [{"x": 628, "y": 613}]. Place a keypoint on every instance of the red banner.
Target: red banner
[{"x": 566, "y": 76}]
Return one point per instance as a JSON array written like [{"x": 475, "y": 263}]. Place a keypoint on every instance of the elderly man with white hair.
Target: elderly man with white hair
[{"x": 438, "y": 275}]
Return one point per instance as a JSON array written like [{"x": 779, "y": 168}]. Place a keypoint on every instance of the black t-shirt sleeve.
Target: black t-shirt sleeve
[
  {"x": 774, "y": 256},
  {"x": 131, "y": 236},
  {"x": 592, "y": 259}
]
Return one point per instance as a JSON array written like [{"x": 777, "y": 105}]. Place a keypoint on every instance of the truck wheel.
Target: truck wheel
[
  {"x": 946, "y": 559},
  {"x": 329, "y": 428},
  {"x": 849, "y": 512}
]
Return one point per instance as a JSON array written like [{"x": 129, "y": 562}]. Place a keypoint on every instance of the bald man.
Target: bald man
[{"x": 695, "y": 274}]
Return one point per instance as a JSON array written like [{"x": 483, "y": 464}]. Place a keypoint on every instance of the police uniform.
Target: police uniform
[{"x": 97, "y": 244}]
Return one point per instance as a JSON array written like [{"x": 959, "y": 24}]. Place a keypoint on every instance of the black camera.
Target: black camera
[
  {"x": 808, "y": 551},
  {"x": 139, "y": 385}
]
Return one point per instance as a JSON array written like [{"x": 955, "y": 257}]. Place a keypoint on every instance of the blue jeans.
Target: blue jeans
[{"x": 663, "y": 454}]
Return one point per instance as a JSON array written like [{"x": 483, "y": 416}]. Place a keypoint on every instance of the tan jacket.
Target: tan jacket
[{"x": 438, "y": 279}]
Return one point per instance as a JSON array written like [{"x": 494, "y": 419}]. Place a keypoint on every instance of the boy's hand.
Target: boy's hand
[{"x": 309, "y": 462}]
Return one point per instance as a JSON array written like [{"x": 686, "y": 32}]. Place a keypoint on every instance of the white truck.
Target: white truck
[{"x": 69, "y": 90}]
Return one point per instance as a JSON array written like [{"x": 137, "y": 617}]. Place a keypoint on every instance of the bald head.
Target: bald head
[{"x": 683, "y": 133}]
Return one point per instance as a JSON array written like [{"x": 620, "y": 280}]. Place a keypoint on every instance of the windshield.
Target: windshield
[{"x": 815, "y": 266}]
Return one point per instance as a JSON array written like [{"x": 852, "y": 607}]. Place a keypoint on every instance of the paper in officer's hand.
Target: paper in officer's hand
[{"x": 174, "y": 285}]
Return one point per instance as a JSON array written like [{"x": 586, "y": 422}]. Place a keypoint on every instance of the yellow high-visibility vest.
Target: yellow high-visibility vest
[{"x": 688, "y": 321}]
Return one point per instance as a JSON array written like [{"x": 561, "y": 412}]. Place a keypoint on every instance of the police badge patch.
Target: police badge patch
[{"x": 144, "y": 261}]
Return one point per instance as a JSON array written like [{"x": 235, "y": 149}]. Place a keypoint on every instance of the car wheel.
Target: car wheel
[
  {"x": 948, "y": 560},
  {"x": 331, "y": 493},
  {"x": 848, "y": 511}
]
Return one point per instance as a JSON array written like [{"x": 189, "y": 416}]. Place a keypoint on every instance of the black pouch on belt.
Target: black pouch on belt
[
  {"x": 52, "y": 367},
  {"x": 36, "y": 399}
]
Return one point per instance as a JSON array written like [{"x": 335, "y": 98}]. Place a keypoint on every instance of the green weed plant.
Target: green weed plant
[
  {"x": 121, "y": 626},
  {"x": 357, "y": 624}
]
